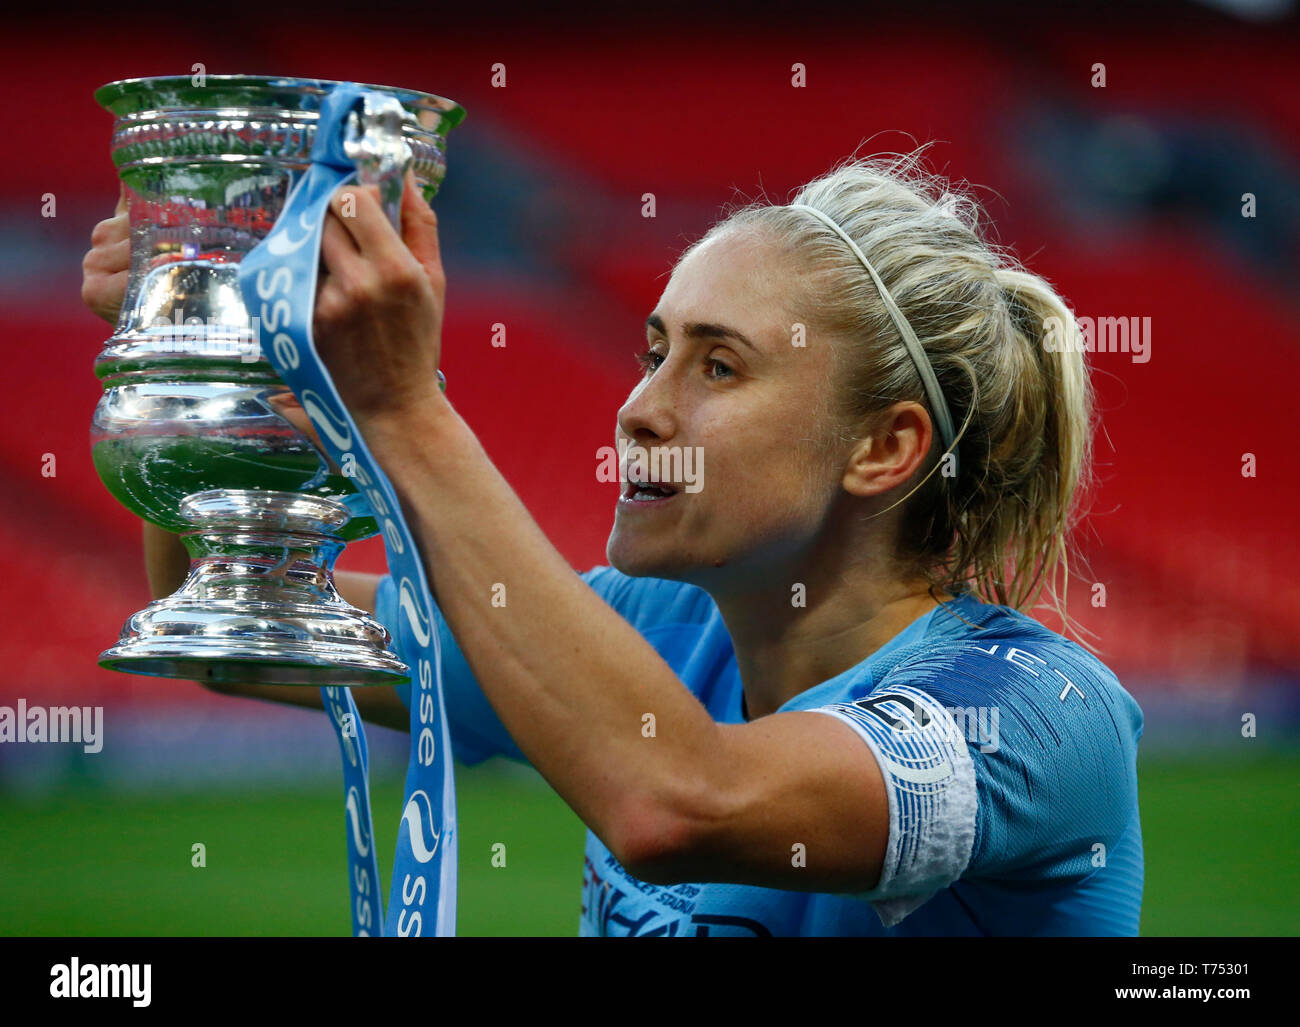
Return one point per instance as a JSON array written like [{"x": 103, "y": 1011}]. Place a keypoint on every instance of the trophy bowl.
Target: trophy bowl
[{"x": 195, "y": 432}]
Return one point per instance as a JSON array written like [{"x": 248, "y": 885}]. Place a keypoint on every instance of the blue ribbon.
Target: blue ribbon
[{"x": 278, "y": 281}]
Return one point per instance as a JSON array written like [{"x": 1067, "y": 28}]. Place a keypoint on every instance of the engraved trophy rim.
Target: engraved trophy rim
[{"x": 116, "y": 96}]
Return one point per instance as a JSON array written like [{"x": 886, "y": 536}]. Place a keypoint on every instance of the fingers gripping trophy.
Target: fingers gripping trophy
[{"x": 220, "y": 422}]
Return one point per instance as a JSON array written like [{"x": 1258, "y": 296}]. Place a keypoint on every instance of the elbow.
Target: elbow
[
  {"x": 667, "y": 842},
  {"x": 652, "y": 842}
]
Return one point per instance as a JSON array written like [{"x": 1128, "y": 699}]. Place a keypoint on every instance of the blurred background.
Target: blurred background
[{"x": 1131, "y": 197}]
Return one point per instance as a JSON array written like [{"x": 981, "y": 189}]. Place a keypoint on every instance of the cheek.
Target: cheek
[{"x": 782, "y": 493}]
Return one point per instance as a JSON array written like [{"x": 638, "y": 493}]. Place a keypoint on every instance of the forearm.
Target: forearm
[
  {"x": 166, "y": 560},
  {"x": 376, "y": 704},
  {"x": 570, "y": 679}
]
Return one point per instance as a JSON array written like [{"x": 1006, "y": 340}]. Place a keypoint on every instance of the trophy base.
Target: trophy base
[
  {"x": 252, "y": 662},
  {"x": 259, "y": 605}
]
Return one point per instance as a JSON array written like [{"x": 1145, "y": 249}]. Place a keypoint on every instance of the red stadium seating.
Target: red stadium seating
[{"x": 1194, "y": 556}]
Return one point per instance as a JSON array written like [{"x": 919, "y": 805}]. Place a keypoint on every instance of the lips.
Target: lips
[
  {"x": 657, "y": 489},
  {"x": 639, "y": 469}
]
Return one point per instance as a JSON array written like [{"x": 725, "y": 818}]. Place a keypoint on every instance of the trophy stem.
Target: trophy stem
[
  {"x": 239, "y": 557},
  {"x": 259, "y": 604}
]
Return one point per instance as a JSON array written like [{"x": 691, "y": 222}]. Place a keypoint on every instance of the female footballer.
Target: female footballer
[{"x": 802, "y": 699}]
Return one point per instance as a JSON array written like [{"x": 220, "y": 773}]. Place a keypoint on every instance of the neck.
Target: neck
[{"x": 783, "y": 649}]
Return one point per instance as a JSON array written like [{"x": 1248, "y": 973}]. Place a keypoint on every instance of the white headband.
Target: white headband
[{"x": 932, "y": 391}]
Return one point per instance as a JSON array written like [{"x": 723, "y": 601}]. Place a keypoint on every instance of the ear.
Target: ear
[{"x": 892, "y": 452}]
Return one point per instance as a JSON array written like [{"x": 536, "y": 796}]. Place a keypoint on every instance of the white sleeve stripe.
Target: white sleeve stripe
[{"x": 930, "y": 782}]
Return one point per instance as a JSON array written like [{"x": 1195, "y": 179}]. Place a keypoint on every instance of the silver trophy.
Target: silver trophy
[{"x": 195, "y": 432}]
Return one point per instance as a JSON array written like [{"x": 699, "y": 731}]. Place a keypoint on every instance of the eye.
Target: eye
[
  {"x": 718, "y": 363},
  {"x": 649, "y": 361}
]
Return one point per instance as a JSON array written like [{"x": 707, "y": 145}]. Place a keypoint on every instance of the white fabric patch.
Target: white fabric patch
[{"x": 930, "y": 781}]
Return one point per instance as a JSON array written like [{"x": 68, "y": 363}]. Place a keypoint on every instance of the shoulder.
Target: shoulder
[
  {"x": 973, "y": 652},
  {"x": 1006, "y": 659},
  {"x": 1044, "y": 726}
]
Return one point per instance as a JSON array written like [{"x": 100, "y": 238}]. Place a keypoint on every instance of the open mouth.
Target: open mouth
[{"x": 647, "y": 492}]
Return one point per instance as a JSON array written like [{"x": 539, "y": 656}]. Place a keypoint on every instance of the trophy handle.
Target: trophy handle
[{"x": 374, "y": 141}]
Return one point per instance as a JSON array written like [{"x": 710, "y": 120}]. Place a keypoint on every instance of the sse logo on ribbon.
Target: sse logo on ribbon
[{"x": 278, "y": 280}]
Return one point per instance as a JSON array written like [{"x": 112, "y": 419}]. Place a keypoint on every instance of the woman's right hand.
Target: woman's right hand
[{"x": 104, "y": 269}]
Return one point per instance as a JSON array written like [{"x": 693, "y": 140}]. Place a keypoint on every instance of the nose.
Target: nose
[{"x": 649, "y": 412}]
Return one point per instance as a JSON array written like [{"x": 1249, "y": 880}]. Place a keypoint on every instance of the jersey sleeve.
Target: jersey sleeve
[
  {"x": 476, "y": 731},
  {"x": 1014, "y": 763}
]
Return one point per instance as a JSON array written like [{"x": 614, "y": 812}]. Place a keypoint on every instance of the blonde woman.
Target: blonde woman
[{"x": 802, "y": 698}]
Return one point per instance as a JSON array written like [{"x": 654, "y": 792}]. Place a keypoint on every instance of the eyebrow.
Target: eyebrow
[{"x": 701, "y": 330}]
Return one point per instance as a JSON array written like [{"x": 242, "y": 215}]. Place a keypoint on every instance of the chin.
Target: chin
[
  {"x": 633, "y": 566},
  {"x": 636, "y": 562}
]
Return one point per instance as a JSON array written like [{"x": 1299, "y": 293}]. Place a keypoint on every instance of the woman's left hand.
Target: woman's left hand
[{"x": 379, "y": 302}]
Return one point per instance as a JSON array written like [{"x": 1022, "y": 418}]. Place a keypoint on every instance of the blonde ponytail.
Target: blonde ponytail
[{"x": 1041, "y": 456}]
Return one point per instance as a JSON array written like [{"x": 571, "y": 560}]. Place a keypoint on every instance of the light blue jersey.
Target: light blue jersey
[{"x": 1009, "y": 755}]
